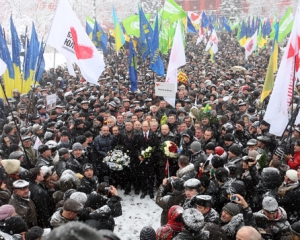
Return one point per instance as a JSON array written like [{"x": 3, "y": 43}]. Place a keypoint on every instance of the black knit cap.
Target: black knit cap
[
  {"x": 147, "y": 233},
  {"x": 15, "y": 225}
]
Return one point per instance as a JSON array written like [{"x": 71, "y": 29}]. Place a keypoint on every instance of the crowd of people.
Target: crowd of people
[{"x": 232, "y": 179}]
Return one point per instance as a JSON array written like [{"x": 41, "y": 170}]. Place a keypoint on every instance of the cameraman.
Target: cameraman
[{"x": 166, "y": 199}]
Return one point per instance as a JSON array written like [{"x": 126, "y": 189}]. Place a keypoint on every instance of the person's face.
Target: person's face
[
  {"x": 186, "y": 139},
  {"x": 77, "y": 153},
  {"x": 153, "y": 127},
  {"x": 183, "y": 127},
  {"x": 190, "y": 192},
  {"x": 154, "y": 109},
  {"x": 27, "y": 144},
  {"x": 110, "y": 122},
  {"x": 23, "y": 192},
  {"x": 270, "y": 216},
  {"x": 115, "y": 131},
  {"x": 89, "y": 173},
  {"x": 162, "y": 104},
  {"x": 134, "y": 118},
  {"x": 252, "y": 148},
  {"x": 242, "y": 108},
  {"x": 171, "y": 119},
  {"x": 105, "y": 130},
  {"x": 198, "y": 134},
  {"x": 128, "y": 126},
  {"x": 202, "y": 209},
  {"x": 164, "y": 130},
  {"x": 178, "y": 106},
  {"x": 205, "y": 121},
  {"x": 145, "y": 127},
  {"x": 228, "y": 143},
  {"x": 207, "y": 135},
  {"x": 47, "y": 153},
  {"x": 208, "y": 152},
  {"x": 59, "y": 110},
  {"x": 188, "y": 121},
  {"x": 137, "y": 125},
  {"x": 225, "y": 217}
]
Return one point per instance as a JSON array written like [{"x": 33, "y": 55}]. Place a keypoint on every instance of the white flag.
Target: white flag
[
  {"x": 68, "y": 36},
  {"x": 177, "y": 59},
  {"x": 37, "y": 143},
  {"x": 250, "y": 45},
  {"x": 200, "y": 35},
  {"x": 212, "y": 42},
  {"x": 277, "y": 110},
  {"x": 2, "y": 66},
  {"x": 70, "y": 67}
]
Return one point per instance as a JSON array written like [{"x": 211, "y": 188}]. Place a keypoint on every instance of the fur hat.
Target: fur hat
[
  {"x": 292, "y": 175},
  {"x": 193, "y": 220},
  {"x": 11, "y": 165}
]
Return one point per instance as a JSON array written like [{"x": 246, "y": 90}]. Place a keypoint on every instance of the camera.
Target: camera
[
  {"x": 233, "y": 198},
  {"x": 106, "y": 190}
]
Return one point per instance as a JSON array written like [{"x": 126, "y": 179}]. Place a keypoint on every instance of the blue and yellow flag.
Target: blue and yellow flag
[
  {"x": 31, "y": 55},
  {"x": 9, "y": 74},
  {"x": 132, "y": 62},
  {"x": 89, "y": 26},
  {"x": 16, "y": 50},
  {"x": 144, "y": 43},
  {"x": 272, "y": 67},
  {"x": 119, "y": 36},
  {"x": 156, "y": 63},
  {"x": 99, "y": 37}
]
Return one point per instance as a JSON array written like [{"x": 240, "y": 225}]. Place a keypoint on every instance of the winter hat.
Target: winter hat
[
  {"x": 68, "y": 193},
  {"x": 87, "y": 166},
  {"x": 222, "y": 174},
  {"x": 252, "y": 142},
  {"x": 19, "y": 184},
  {"x": 57, "y": 196},
  {"x": 15, "y": 225},
  {"x": 79, "y": 197},
  {"x": 4, "y": 197},
  {"x": 147, "y": 233},
  {"x": 73, "y": 231},
  {"x": 63, "y": 151},
  {"x": 238, "y": 187},
  {"x": 292, "y": 175},
  {"x": 102, "y": 213},
  {"x": 72, "y": 205},
  {"x": 229, "y": 137},
  {"x": 295, "y": 228},
  {"x": 6, "y": 211},
  {"x": 43, "y": 148},
  {"x": 252, "y": 154},
  {"x": 196, "y": 146},
  {"x": 193, "y": 183},
  {"x": 95, "y": 201},
  {"x": 210, "y": 146},
  {"x": 77, "y": 122},
  {"x": 7, "y": 129},
  {"x": 77, "y": 146},
  {"x": 231, "y": 208},
  {"x": 36, "y": 232},
  {"x": 109, "y": 234},
  {"x": 11, "y": 165},
  {"x": 203, "y": 200},
  {"x": 177, "y": 184},
  {"x": 270, "y": 204},
  {"x": 193, "y": 220},
  {"x": 217, "y": 161},
  {"x": 235, "y": 149}
]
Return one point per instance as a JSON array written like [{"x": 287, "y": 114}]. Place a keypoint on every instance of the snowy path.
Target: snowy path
[{"x": 137, "y": 213}]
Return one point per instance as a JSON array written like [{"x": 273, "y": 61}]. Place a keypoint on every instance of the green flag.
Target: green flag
[
  {"x": 164, "y": 37},
  {"x": 172, "y": 11},
  {"x": 285, "y": 25},
  {"x": 132, "y": 24},
  {"x": 90, "y": 21}
]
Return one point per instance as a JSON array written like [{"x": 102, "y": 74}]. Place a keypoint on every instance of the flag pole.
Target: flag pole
[{"x": 11, "y": 112}]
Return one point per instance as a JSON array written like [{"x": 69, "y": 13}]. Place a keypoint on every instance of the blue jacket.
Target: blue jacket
[{"x": 103, "y": 144}]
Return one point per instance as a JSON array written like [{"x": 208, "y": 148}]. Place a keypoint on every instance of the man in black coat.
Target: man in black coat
[
  {"x": 131, "y": 143},
  {"x": 89, "y": 181},
  {"x": 40, "y": 197},
  {"x": 146, "y": 166}
]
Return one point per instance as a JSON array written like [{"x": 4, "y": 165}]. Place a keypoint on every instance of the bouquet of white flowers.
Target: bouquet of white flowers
[
  {"x": 117, "y": 160},
  {"x": 147, "y": 152}
]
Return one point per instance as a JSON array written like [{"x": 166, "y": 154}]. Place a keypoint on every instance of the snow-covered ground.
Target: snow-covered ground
[{"x": 137, "y": 213}]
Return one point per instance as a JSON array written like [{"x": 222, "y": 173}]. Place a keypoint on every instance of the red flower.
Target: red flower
[{"x": 173, "y": 148}]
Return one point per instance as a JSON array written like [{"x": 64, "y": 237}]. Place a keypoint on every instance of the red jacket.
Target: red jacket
[{"x": 296, "y": 163}]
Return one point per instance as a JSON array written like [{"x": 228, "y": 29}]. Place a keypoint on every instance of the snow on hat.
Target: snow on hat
[
  {"x": 15, "y": 225},
  {"x": 252, "y": 142},
  {"x": 177, "y": 184},
  {"x": 6, "y": 211},
  {"x": 193, "y": 183},
  {"x": 252, "y": 154},
  {"x": 68, "y": 193},
  {"x": 43, "y": 148},
  {"x": 292, "y": 175},
  {"x": 11, "y": 165},
  {"x": 147, "y": 233},
  {"x": 72, "y": 205},
  {"x": 36, "y": 232},
  {"x": 73, "y": 231},
  {"x": 196, "y": 146},
  {"x": 231, "y": 208},
  {"x": 295, "y": 228},
  {"x": 193, "y": 220},
  {"x": 20, "y": 184},
  {"x": 270, "y": 204},
  {"x": 77, "y": 146},
  {"x": 79, "y": 197}
]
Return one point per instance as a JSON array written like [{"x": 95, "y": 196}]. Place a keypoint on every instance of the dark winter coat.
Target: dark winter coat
[
  {"x": 76, "y": 164},
  {"x": 103, "y": 144},
  {"x": 250, "y": 178},
  {"x": 243, "y": 137},
  {"x": 197, "y": 158},
  {"x": 278, "y": 228},
  {"x": 57, "y": 219},
  {"x": 212, "y": 216},
  {"x": 42, "y": 201},
  {"x": 166, "y": 200},
  {"x": 245, "y": 218},
  {"x": 60, "y": 166},
  {"x": 42, "y": 161},
  {"x": 187, "y": 172},
  {"x": 186, "y": 235},
  {"x": 25, "y": 208},
  {"x": 169, "y": 137},
  {"x": 88, "y": 185}
]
